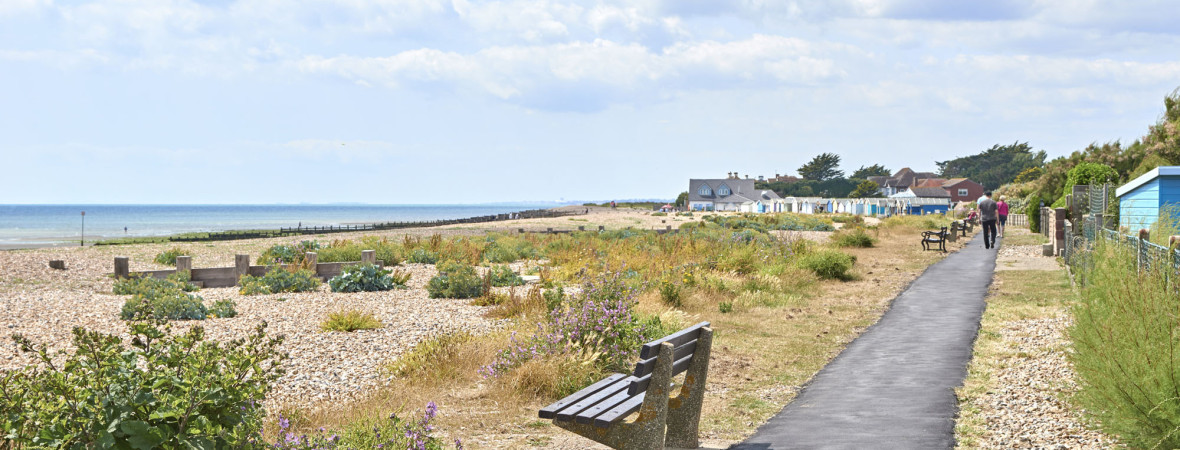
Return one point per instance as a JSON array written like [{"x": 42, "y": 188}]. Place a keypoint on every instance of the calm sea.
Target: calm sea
[{"x": 22, "y": 225}]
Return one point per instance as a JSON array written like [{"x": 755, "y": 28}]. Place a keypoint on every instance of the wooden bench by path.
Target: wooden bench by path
[{"x": 599, "y": 412}]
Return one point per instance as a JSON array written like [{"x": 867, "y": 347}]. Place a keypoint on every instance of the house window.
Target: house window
[
  {"x": 962, "y": 192},
  {"x": 723, "y": 190},
  {"x": 704, "y": 190}
]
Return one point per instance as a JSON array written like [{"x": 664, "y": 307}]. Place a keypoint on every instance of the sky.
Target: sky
[{"x": 468, "y": 101}]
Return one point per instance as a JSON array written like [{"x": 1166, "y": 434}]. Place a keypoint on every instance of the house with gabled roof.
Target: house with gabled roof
[
  {"x": 731, "y": 194},
  {"x": 900, "y": 181}
]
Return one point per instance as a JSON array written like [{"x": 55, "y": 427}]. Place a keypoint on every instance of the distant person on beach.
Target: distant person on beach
[
  {"x": 1002, "y": 210},
  {"x": 124, "y": 230},
  {"x": 987, "y": 214}
]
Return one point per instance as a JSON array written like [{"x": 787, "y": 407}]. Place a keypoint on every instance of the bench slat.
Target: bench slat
[
  {"x": 619, "y": 412},
  {"x": 570, "y": 411},
  {"x": 550, "y": 411},
  {"x": 640, "y": 384},
  {"x": 588, "y": 415},
  {"x": 645, "y": 366},
  {"x": 651, "y": 349}
]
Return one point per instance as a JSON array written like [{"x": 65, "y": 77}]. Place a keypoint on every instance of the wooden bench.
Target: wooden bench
[
  {"x": 929, "y": 238},
  {"x": 598, "y": 411}
]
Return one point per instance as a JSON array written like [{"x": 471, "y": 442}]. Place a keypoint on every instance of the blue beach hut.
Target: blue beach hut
[{"x": 1143, "y": 199}]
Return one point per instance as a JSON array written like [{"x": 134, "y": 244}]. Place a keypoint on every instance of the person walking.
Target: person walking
[
  {"x": 1002, "y": 211},
  {"x": 987, "y": 215}
]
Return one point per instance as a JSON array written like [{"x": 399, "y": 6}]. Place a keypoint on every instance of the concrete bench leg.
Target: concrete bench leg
[
  {"x": 646, "y": 432},
  {"x": 684, "y": 411}
]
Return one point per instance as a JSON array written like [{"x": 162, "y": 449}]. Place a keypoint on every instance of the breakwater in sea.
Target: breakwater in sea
[{"x": 41, "y": 225}]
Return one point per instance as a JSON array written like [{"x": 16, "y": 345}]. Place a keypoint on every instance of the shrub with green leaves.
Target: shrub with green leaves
[
  {"x": 423, "y": 256},
  {"x": 224, "y": 308},
  {"x": 168, "y": 257},
  {"x": 506, "y": 249},
  {"x": 164, "y": 390},
  {"x": 502, "y": 275},
  {"x": 829, "y": 264},
  {"x": 855, "y": 237},
  {"x": 175, "y": 305},
  {"x": 279, "y": 279},
  {"x": 367, "y": 278},
  {"x": 350, "y": 320},
  {"x": 148, "y": 285},
  {"x": 287, "y": 254},
  {"x": 160, "y": 298},
  {"x": 455, "y": 280}
]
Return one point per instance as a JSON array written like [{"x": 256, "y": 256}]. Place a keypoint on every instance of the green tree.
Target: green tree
[
  {"x": 875, "y": 170},
  {"x": 823, "y": 167},
  {"x": 681, "y": 200},
  {"x": 866, "y": 189},
  {"x": 995, "y": 166},
  {"x": 1089, "y": 173}
]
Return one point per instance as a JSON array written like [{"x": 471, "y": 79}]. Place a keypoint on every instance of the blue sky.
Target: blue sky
[{"x": 467, "y": 101}]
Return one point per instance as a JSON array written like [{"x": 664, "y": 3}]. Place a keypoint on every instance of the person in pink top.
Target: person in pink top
[{"x": 1002, "y": 211}]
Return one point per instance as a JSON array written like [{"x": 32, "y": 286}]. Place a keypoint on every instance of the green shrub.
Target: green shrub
[
  {"x": 423, "y": 256},
  {"x": 344, "y": 250},
  {"x": 455, "y": 280},
  {"x": 350, "y": 320},
  {"x": 725, "y": 307},
  {"x": 162, "y": 391},
  {"x": 829, "y": 264},
  {"x": 168, "y": 257},
  {"x": 554, "y": 298},
  {"x": 223, "y": 308},
  {"x": 367, "y": 278},
  {"x": 166, "y": 298},
  {"x": 148, "y": 285},
  {"x": 856, "y": 237},
  {"x": 670, "y": 293},
  {"x": 287, "y": 254},
  {"x": 504, "y": 276},
  {"x": 174, "y": 305},
  {"x": 659, "y": 214},
  {"x": 1033, "y": 210},
  {"x": 506, "y": 249},
  {"x": 279, "y": 279},
  {"x": 1124, "y": 332}
]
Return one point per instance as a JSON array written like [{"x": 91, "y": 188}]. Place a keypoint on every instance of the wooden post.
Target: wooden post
[
  {"x": 122, "y": 263},
  {"x": 581, "y": 228},
  {"x": 241, "y": 267},
  {"x": 184, "y": 264},
  {"x": 601, "y": 228},
  {"x": 520, "y": 230},
  {"x": 549, "y": 230},
  {"x": 1144, "y": 236},
  {"x": 57, "y": 264},
  {"x": 369, "y": 256}
]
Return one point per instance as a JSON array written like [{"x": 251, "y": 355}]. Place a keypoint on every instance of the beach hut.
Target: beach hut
[{"x": 1144, "y": 199}]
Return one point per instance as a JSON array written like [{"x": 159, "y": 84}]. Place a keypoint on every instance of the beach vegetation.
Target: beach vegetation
[
  {"x": 350, "y": 320},
  {"x": 502, "y": 248},
  {"x": 1124, "y": 334},
  {"x": 367, "y": 278},
  {"x": 292, "y": 278},
  {"x": 294, "y": 253},
  {"x": 391, "y": 431},
  {"x": 455, "y": 280},
  {"x": 164, "y": 305},
  {"x": 168, "y": 257},
  {"x": 853, "y": 237},
  {"x": 149, "y": 285},
  {"x": 224, "y": 308},
  {"x": 160, "y": 390},
  {"x": 389, "y": 253},
  {"x": 829, "y": 264},
  {"x": 423, "y": 256},
  {"x": 502, "y": 275}
]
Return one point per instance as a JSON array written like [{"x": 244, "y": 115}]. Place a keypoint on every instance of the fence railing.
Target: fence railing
[
  {"x": 1018, "y": 220},
  {"x": 1148, "y": 255}
]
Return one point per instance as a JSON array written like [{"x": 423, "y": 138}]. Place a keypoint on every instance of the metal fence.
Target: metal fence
[{"x": 1149, "y": 256}]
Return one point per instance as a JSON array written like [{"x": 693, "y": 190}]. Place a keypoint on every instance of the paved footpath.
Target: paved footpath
[{"x": 893, "y": 387}]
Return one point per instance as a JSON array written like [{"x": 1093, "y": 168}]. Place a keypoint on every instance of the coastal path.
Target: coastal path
[{"x": 893, "y": 387}]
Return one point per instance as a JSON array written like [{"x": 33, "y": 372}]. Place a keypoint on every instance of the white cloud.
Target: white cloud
[{"x": 523, "y": 71}]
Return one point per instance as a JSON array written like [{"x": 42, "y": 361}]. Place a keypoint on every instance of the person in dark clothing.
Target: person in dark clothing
[{"x": 988, "y": 216}]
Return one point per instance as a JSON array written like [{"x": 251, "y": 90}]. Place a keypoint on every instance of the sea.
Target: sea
[{"x": 48, "y": 225}]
